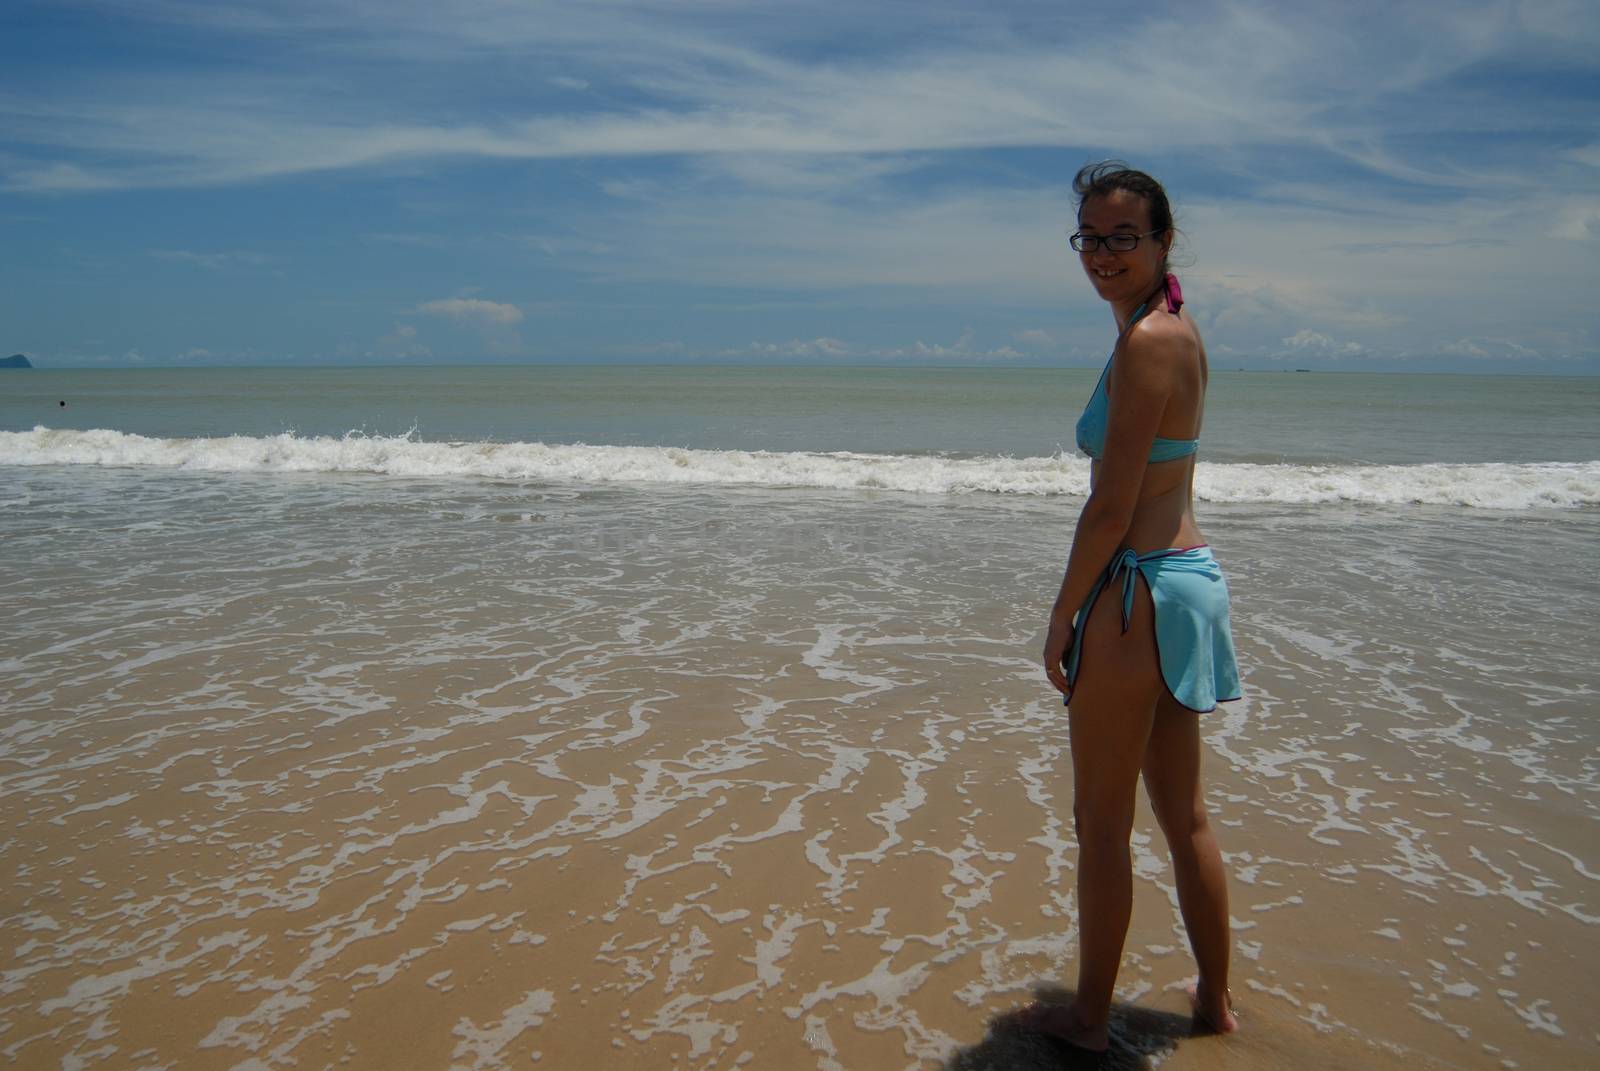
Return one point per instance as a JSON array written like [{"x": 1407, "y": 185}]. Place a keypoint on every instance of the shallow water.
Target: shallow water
[{"x": 315, "y": 768}]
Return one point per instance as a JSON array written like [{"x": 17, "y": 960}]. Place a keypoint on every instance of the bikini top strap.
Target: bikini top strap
[{"x": 1138, "y": 314}]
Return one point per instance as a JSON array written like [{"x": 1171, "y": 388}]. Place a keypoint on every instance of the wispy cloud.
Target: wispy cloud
[
  {"x": 1248, "y": 75},
  {"x": 1334, "y": 183},
  {"x": 1489, "y": 349},
  {"x": 1578, "y": 221},
  {"x": 401, "y": 343},
  {"x": 211, "y": 261},
  {"x": 473, "y": 311}
]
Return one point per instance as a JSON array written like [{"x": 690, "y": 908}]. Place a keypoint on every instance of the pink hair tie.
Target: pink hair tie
[{"x": 1174, "y": 293}]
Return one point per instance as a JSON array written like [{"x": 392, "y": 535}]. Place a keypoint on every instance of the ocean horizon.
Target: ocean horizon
[{"x": 1377, "y": 368}]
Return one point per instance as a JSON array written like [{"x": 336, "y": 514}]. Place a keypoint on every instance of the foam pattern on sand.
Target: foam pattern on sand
[{"x": 417, "y": 772}]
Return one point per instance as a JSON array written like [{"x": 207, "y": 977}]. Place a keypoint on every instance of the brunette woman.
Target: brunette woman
[{"x": 1139, "y": 639}]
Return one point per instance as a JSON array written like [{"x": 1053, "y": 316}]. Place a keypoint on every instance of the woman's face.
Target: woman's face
[{"x": 1122, "y": 277}]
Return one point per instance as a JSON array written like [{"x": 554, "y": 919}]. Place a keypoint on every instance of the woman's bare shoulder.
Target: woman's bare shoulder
[{"x": 1161, "y": 351}]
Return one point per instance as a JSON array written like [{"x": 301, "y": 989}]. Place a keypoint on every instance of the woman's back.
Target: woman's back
[{"x": 1164, "y": 513}]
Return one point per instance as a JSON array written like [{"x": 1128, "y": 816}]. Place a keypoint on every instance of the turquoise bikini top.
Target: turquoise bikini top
[{"x": 1092, "y": 424}]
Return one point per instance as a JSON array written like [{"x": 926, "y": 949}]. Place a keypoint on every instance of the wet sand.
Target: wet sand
[
  {"x": 662, "y": 882},
  {"x": 679, "y": 803}
]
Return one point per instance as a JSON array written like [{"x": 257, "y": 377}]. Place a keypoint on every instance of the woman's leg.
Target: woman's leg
[
  {"x": 1111, "y": 714},
  {"x": 1172, "y": 778}
]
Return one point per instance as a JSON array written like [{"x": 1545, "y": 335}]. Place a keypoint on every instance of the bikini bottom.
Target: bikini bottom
[{"x": 1194, "y": 640}]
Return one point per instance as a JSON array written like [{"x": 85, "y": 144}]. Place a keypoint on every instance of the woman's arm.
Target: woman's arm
[{"x": 1147, "y": 373}]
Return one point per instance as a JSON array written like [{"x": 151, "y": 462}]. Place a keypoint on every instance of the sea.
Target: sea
[
  {"x": 1487, "y": 442},
  {"x": 690, "y": 716}
]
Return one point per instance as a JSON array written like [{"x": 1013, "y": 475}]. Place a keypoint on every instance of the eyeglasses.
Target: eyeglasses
[{"x": 1117, "y": 243}]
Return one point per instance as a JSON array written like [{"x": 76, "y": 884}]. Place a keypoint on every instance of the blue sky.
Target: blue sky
[{"x": 1361, "y": 185}]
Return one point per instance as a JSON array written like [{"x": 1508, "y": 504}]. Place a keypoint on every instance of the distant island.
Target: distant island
[{"x": 16, "y": 360}]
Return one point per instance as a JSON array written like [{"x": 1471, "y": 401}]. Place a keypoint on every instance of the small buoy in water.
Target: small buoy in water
[{"x": 62, "y": 404}]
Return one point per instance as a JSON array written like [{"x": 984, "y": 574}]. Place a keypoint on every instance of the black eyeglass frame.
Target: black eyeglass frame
[{"x": 1117, "y": 243}]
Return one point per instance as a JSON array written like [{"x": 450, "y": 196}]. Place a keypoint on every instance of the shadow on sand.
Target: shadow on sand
[{"x": 1137, "y": 1034}]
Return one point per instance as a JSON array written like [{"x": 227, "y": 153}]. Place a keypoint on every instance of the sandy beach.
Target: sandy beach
[{"x": 743, "y": 781}]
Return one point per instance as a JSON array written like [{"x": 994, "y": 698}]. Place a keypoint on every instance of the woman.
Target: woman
[{"x": 1139, "y": 639}]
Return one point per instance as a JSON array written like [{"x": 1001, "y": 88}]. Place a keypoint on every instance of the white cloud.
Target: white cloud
[
  {"x": 1503, "y": 349},
  {"x": 58, "y": 177},
  {"x": 210, "y": 261},
  {"x": 494, "y": 322},
  {"x": 474, "y": 312},
  {"x": 1316, "y": 343},
  {"x": 1579, "y": 221},
  {"x": 562, "y": 245},
  {"x": 937, "y": 352},
  {"x": 1587, "y": 154},
  {"x": 961, "y": 350},
  {"x": 817, "y": 347},
  {"x": 1464, "y": 347},
  {"x": 401, "y": 343},
  {"x": 630, "y": 189},
  {"x": 206, "y": 356}
]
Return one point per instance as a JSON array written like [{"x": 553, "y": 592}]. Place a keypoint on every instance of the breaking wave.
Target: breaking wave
[{"x": 1500, "y": 486}]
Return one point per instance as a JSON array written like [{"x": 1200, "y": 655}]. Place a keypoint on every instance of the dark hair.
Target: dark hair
[{"x": 1108, "y": 176}]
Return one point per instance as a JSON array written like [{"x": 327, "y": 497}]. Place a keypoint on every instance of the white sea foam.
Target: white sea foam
[{"x": 1503, "y": 486}]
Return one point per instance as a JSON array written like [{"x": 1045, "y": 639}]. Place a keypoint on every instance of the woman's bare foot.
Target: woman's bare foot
[
  {"x": 1212, "y": 1016},
  {"x": 1062, "y": 1022}
]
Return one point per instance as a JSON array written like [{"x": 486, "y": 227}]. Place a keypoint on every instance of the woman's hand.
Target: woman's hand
[{"x": 1055, "y": 651}]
